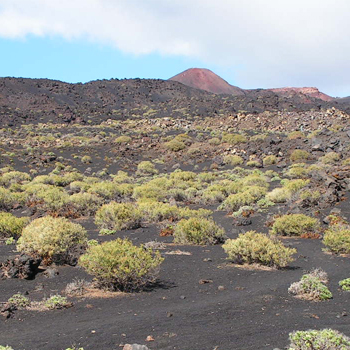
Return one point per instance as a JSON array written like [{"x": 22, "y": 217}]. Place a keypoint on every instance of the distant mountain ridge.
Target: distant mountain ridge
[{"x": 205, "y": 79}]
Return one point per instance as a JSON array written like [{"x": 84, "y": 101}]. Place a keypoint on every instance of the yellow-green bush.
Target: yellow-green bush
[
  {"x": 295, "y": 185},
  {"x": 111, "y": 190},
  {"x": 294, "y": 225},
  {"x": 233, "y": 139},
  {"x": 198, "y": 231},
  {"x": 233, "y": 160},
  {"x": 297, "y": 171},
  {"x": 337, "y": 239},
  {"x": 299, "y": 155},
  {"x": 8, "y": 199},
  {"x": 153, "y": 211},
  {"x": 248, "y": 196},
  {"x": 324, "y": 339},
  {"x": 269, "y": 160},
  {"x": 11, "y": 226},
  {"x": 119, "y": 265},
  {"x": 252, "y": 247},
  {"x": 330, "y": 158},
  {"x": 123, "y": 139},
  {"x": 175, "y": 145},
  {"x": 118, "y": 216},
  {"x": 146, "y": 168},
  {"x": 279, "y": 195},
  {"x": 85, "y": 203},
  {"x": 295, "y": 135},
  {"x": 48, "y": 237},
  {"x": 14, "y": 177}
]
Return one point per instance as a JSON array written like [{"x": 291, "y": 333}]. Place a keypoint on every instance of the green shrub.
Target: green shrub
[
  {"x": 269, "y": 160},
  {"x": 111, "y": 190},
  {"x": 19, "y": 301},
  {"x": 297, "y": 171},
  {"x": 249, "y": 196},
  {"x": 337, "y": 239},
  {"x": 253, "y": 163},
  {"x": 2, "y": 347},
  {"x": 118, "y": 216},
  {"x": 146, "y": 168},
  {"x": 49, "y": 237},
  {"x": 279, "y": 195},
  {"x": 233, "y": 139},
  {"x": 14, "y": 177},
  {"x": 11, "y": 226},
  {"x": 123, "y": 139},
  {"x": 295, "y": 135},
  {"x": 119, "y": 265},
  {"x": 198, "y": 231},
  {"x": 215, "y": 141},
  {"x": 56, "y": 302},
  {"x": 8, "y": 199},
  {"x": 252, "y": 247},
  {"x": 233, "y": 160},
  {"x": 294, "y": 225},
  {"x": 345, "y": 284},
  {"x": 330, "y": 158},
  {"x": 325, "y": 339},
  {"x": 85, "y": 203},
  {"x": 154, "y": 211},
  {"x": 299, "y": 155},
  {"x": 295, "y": 185},
  {"x": 86, "y": 159},
  {"x": 312, "y": 286},
  {"x": 175, "y": 145}
]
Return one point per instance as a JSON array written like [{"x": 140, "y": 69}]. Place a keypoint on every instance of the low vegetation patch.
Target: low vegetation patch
[
  {"x": 325, "y": 339},
  {"x": 198, "y": 231},
  {"x": 257, "y": 248},
  {"x": 312, "y": 286},
  {"x": 120, "y": 265},
  {"x": 294, "y": 225},
  {"x": 11, "y": 226},
  {"x": 337, "y": 238},
  {"x": 118, "y": 216},
  {"x": 52, "y": 239}
]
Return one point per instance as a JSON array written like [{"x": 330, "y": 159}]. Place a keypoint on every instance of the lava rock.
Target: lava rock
[{"x": 21, "y": 266}]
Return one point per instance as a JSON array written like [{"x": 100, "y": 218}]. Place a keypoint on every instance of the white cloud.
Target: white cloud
[{"x": 265, "y": 43}]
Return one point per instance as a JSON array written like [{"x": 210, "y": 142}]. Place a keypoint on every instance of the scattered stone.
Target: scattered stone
[
  {"x": 20, "y": 266},
  {"x": 203, "y": 281},
  {"x": 149, "y": 338},
  {"x": 221, "y": 288},
  {"x": 135, "y": 347}
]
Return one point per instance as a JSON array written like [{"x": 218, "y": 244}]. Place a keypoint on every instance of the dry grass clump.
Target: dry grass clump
[
  {"x": 294, "y": 225},
  {"x": 48, "y": 237},
  {"x": 198, "y": 231},
  {"x": 257, "y": 248},
  {"x": 120, "y": 266},
  {"x": 312, "y": 286}
]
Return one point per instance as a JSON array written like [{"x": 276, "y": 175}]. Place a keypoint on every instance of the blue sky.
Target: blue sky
[
  {"x": 81, "y": 61},
  {"x": 251, "y": 44}
]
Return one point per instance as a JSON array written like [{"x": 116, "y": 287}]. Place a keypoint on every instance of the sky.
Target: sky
[{"x": 249, "y": 43}]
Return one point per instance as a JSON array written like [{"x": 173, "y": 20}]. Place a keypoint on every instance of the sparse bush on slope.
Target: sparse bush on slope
[
  {"x": 120, "y": 265},
  {"x": 51, "y": 238},
  {"x": 252, "y": 247}
]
